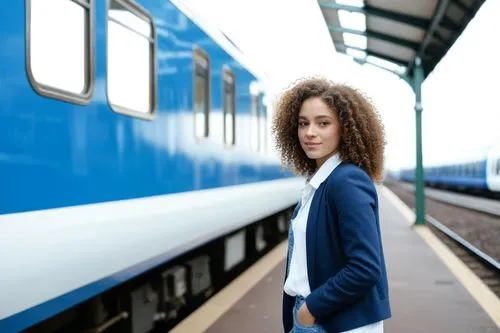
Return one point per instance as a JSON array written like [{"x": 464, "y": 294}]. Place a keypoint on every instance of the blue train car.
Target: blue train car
[
  {"x": 464, "y": 176},
  {"x": 475, "y": 172},
  {"x": 135, "y": 179}
]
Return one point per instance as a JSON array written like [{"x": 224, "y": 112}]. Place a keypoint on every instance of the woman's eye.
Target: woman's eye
[{"x": 323, "y": 123}]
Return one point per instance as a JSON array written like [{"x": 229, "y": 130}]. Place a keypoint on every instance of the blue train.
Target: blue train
[
  {"x": 475, "y": 173},
  {"x": 135, "y": 179}
]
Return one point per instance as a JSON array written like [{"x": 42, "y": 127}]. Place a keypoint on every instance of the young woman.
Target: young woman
[{"x": 336, "y": 277}]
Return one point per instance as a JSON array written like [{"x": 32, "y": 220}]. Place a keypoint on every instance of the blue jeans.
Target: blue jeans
[{"x": 298, "y": 327}]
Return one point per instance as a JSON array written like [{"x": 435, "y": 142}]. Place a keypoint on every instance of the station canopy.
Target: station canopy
[{"x": 393, "y": 34}]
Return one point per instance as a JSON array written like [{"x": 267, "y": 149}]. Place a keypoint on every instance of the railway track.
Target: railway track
[
  {"x": 476, "y": 203},
  {"x": 473, "y": 235},
  {"x": 484, "y": 266}
]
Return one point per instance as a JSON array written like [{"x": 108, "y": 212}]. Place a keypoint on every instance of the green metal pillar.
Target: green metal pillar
[
  {"x": 415, "y": 82},
  {"x": 418, "y": 78}
]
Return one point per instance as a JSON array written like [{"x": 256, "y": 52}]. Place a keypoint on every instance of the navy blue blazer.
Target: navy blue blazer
[{"x": 345, "y": 259}]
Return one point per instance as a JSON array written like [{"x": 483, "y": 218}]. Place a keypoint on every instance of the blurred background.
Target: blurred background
[{"x": 140, "y": 191}]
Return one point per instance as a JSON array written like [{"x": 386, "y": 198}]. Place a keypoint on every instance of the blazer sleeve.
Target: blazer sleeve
[{"x": 354, "y": 198}]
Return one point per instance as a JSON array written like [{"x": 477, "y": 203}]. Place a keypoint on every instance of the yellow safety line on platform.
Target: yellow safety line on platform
[
  {"x": 400, "y": 205},
  {"x": 472, "y": 283},
  {"x": 205, "y": 316}
]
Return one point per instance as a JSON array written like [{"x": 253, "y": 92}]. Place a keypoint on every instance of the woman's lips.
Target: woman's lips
[{"x": 312, "y": 145}]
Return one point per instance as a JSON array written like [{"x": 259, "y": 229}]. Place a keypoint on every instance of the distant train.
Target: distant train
[
  {"x": 473, "y": 173},
  {"x": 135, "y": 179}
]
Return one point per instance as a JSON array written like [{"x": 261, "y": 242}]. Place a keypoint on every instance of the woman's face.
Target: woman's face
[{"x": 319, "y": 130}]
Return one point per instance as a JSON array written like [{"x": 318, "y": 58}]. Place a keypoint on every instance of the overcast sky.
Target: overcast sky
[{"x": 289, "y": 40}]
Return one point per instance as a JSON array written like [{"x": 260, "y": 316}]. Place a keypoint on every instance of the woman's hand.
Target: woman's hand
[{"x": 305, "y": 317}]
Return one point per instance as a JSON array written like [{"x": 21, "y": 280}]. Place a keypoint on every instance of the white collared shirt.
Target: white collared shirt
[{"x": 297, "y": 281}]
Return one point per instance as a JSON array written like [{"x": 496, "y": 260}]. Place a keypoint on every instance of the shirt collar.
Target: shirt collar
[{"x": 325, "y": 170}]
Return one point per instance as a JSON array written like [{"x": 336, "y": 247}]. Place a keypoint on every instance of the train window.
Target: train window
[
  {"x": 498, "y": 167},
  {"x": 201, "y": 92},
  {"x": 131, "y": 60},
  {"x": 264, "y": 126},
  {"x": 59, "y": 48},
  {"x": 255, "y": 129},
  {"x": 229, "y": 107},
  {"x": 254, "y": 117}
]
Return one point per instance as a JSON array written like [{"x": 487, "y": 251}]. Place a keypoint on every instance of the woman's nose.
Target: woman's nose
[{"x": 311, "y": 131}]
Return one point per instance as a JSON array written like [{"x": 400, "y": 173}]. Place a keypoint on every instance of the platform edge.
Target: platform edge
[{"x": 470, "y": 281}]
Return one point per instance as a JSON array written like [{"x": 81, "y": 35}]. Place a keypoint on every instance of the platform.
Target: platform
[{"x": 430, "y": 290}]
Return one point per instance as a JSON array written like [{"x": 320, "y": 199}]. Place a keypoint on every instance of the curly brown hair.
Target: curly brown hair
[{"x": 362, "y": 132}]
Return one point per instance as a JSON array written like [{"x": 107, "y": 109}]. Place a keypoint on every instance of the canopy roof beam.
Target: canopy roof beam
[
  {"x": 449, "y": 24},
  {"x": 439, "y": 37},
  {"x": 438, "y": 15},
  {"x": 418, "y": 22},
  {"x": 370, "y": 33},
  {"x": 382, "y": 56},
  {"x": 463, "y": 7}
]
